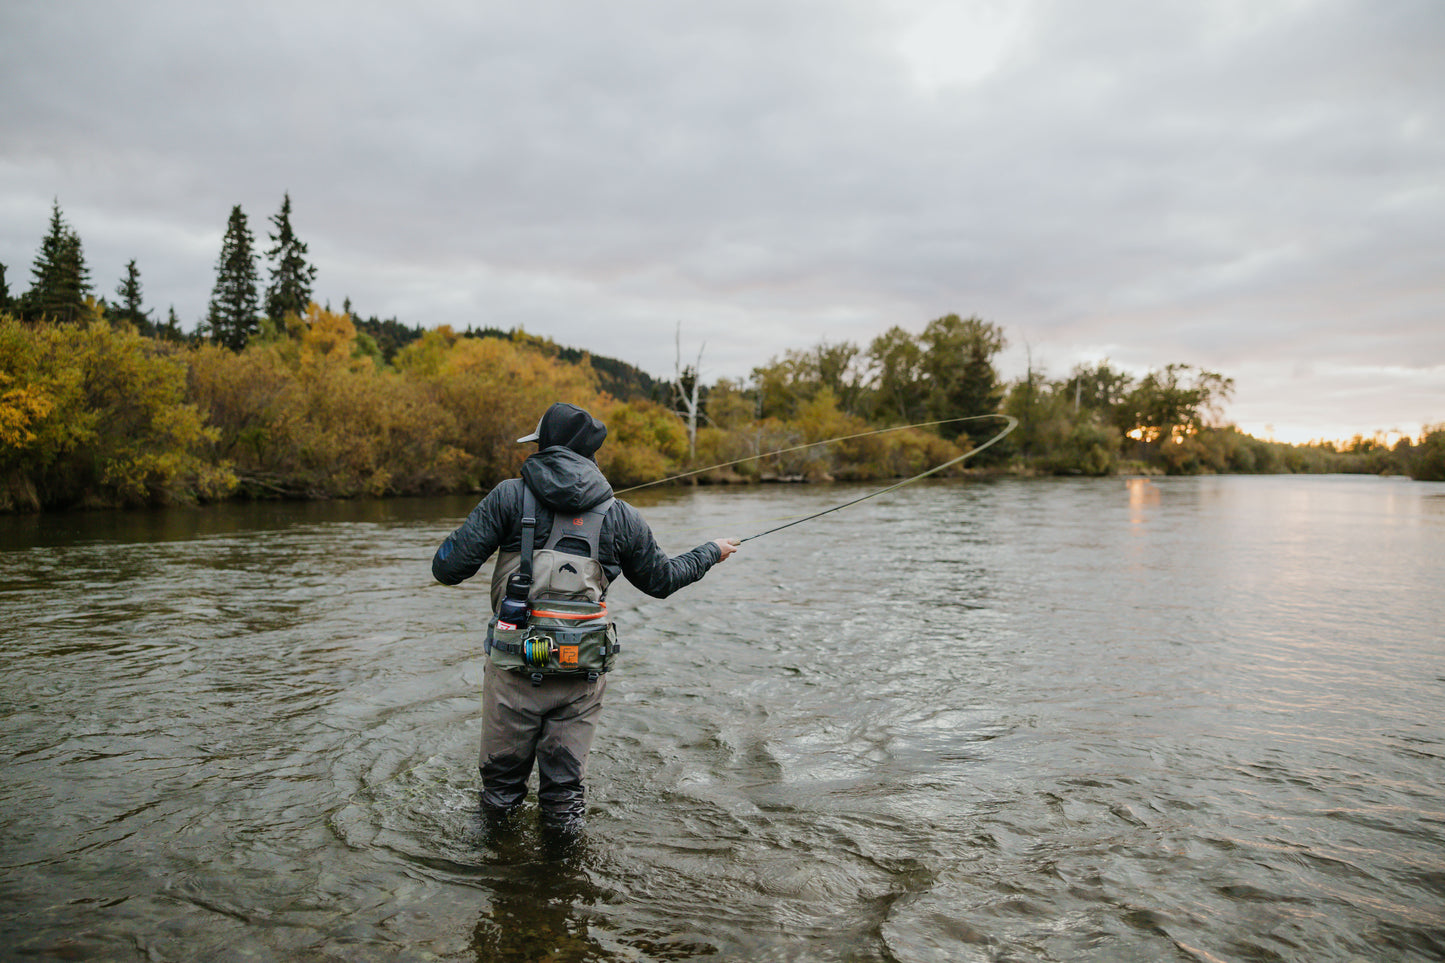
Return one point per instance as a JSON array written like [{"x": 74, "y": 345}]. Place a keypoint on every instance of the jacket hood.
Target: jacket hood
[
  {"x": 565, "y": 480},
  {"x": 568, "y": 426}
]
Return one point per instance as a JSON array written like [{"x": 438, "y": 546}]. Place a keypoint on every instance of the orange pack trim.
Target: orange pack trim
[{"x": 574, "y": 616}]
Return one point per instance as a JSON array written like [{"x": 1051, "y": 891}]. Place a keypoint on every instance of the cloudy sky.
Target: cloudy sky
[{"x": 1252, "y": 186}]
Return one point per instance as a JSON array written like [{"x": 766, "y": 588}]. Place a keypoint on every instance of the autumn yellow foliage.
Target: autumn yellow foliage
[
  {"x": 92, "y": 414},
  {"x": 95, "y": 415}
]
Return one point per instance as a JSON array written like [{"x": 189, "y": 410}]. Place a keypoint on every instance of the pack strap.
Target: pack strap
[
  {"x": 586, "y": 525},
  {"x": 529, "y": 530}
]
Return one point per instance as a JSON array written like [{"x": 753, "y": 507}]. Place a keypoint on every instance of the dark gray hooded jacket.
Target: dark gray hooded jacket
[{"x": 563, "y": 479}]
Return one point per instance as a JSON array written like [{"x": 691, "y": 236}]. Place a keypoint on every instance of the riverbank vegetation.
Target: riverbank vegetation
[
  {"x": 275, "y": 396},
  {"x": 94, "y": 413}
]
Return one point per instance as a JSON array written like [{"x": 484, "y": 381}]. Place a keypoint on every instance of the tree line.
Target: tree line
[
  {"x": 61, "y": 288},
  {"x": 274, "y": 395},
  {"x": 1097, "y": 420},
  {"x": 239, "y": 308}
]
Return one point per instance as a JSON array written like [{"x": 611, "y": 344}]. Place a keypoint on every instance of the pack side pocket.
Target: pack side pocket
[{"x": 506, "y": 647}]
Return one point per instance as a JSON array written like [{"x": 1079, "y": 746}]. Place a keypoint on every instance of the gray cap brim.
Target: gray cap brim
[{"x": 536, "y": 434}]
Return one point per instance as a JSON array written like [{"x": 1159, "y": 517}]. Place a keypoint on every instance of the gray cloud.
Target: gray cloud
[{"x": 1247, "y": 187}]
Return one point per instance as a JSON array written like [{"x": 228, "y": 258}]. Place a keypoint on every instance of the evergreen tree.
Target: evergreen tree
[
  {"x": 231, "y": 319},
  {"x": 62, "y": 282},
  {"x": 958, "y": 365},
  {"x": 171, "y": 330},
  {"x": 291, "y": 276},
  {"x": 129, "y": 308},
  {"x": 6, "y": 304}
]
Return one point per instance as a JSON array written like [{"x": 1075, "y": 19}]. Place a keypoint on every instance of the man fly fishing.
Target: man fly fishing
[{"x": 562, "y": 539}]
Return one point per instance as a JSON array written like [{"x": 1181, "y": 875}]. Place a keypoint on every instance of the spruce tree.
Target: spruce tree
[
  {"x": 171, "y": 330},
  {"x": 6, "y": 304},
  {"x": 129, "y": 308},
  {"x": 291, "y": 276},
  {"x": 231, "y": 318},
  {"x": 62, "y": 281}
]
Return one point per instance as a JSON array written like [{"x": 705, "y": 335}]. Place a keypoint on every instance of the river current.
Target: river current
[{"x": 1012, "y": 720}]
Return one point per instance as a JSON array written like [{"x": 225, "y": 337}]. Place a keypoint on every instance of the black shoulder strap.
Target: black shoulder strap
[{"x": 529, "y": 529}]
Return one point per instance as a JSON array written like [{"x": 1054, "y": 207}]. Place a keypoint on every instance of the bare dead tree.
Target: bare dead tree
[{"x": 685, "y": 396}]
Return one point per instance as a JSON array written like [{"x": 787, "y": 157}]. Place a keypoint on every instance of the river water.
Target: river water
[{"x": 1169, "y": 719}]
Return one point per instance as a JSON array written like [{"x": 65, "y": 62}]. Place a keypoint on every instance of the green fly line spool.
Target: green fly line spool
[{"x": 537, "y": 652}]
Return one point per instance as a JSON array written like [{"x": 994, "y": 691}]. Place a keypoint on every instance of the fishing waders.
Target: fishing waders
[{"x": 549, "y": 648}]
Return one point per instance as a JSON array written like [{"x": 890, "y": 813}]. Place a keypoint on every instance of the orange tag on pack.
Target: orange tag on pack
[{"x": 567, "y": 654}]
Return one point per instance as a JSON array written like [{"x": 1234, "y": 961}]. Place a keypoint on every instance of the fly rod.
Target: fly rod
[{"x": 1012, "y": 424}]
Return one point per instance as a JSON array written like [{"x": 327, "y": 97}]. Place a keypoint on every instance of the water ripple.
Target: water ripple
[{"x": 1003, "y": 721}]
